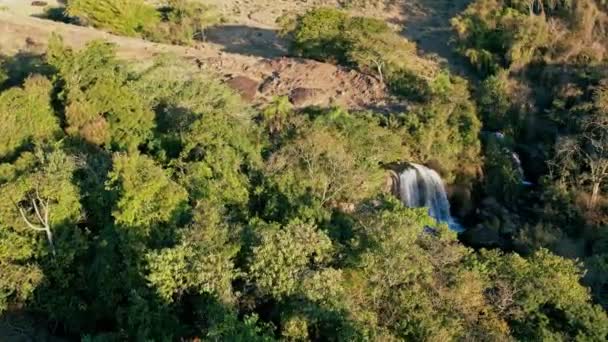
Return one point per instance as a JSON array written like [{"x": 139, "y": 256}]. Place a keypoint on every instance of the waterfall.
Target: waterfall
[
  {"x": 420, "y": 187},
  {"x": 514, "y": 158},
  {"x": 520, "y": 169}
]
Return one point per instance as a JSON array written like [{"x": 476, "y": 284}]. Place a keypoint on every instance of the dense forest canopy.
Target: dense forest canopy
[{"x": 151, "y": 202}]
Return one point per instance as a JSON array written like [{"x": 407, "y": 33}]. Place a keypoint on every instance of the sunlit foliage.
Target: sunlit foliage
[
  {"x": 26, "y": 115},
  {"x": 130, "y": 17},
  {"x": 150, "y": 203},
  {"x": 101, "y": 106},
  {"x": 175, "y": 22}
]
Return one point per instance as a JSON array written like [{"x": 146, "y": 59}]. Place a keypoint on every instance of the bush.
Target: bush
[
  {"x": 178, "y": 22},
  {"x": 319, "y": 34},
  {"x": 331, "y": 35},
  {"x": 408, "y": 85},
  {"x": 125, "y": 17},
  {"x": 183, "y": 21}
]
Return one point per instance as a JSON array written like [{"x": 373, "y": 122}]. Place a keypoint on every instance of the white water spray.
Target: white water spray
[
  {"x": 420, "y": 187},
  {"x": 520, "y": 169}
]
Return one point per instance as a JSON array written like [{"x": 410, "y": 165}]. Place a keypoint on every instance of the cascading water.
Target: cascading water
[
  {"x": 520, "y": 169},
  {"x": 514, "y": 158},
  {"x": 419, "y": 187}
]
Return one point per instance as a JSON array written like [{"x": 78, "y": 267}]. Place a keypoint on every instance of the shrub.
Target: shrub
[
  {"x": 319, "y": 34},
  {"x": 178, "y": 22},
  {"x": 407, "y": 84},
  {"x": 125, "y": 17},
  {"x": 329, "y": 34},
  {"x": 183, "y": 22}
]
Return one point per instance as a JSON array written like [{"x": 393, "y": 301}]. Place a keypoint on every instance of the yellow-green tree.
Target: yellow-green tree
[
  {"x": 26, "y": 116},
  {"x": 100, "y": 105}
]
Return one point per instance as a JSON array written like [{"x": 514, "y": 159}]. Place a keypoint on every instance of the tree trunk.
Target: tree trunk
[
  {"x": 595, "y": 193},
  {"x": 49, "y": 236}
]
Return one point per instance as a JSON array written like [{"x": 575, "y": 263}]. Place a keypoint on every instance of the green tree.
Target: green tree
[
  {"x": 542, "y": 297},
  {"x": 446, "y": 128},
  {"x": 101, "y": 105},
  {"x": 202, "y": 262},
  {"x": 376, "y": 49},
  {"x": 39, "y": 232},
  {"x": 26, "y": 116},
  {"x": 494, "y": 102},
  {"x": 331, "y": 162},
  {"x": 205, "y": 128},
  {"x": 276, "y": 114},
  {"x": 493, "y": 35},
  {"x": 146, "y": 194},
  {"x": 412, "y": 282},
  {"x": 316, "y": 170},
  {"x": 287, "y": 258},
  {"x": 126, "y": 284}
]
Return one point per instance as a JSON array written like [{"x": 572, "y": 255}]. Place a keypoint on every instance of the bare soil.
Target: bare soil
[{"x": 27, "y": 7}]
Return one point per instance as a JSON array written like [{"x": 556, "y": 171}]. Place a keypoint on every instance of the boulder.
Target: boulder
[
  {"x": 303, "y": 97},
  {"x": 245, "y": 86}
]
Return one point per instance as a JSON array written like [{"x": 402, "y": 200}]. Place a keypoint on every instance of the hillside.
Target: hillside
[{"x": 270, "y": 76}]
